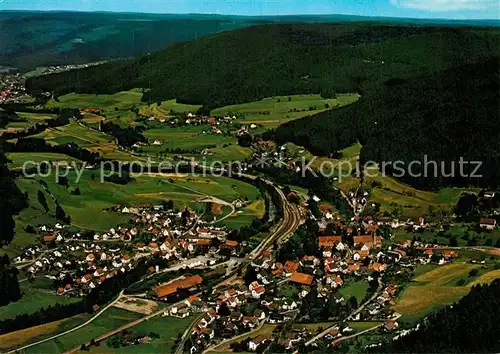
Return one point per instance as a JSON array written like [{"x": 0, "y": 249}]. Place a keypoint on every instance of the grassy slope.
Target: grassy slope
[
  {"x": 437, "y": 287},
  {"x": 33, "y": 158},
  {"x": 34, "y": 214},
  {"x": 121, "y": 100},
  {"x": 33, "y": 334},
  {"x": 168, "y": 328},
  {"x": 35, "y": 296},
  {"x": 86, "y": 210},
  {"x": 273, "y": 111},
  {"x": 357, "y": 289},
  {"x": 111, "y": 319}
]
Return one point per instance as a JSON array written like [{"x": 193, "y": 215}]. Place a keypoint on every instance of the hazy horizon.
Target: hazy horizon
[
  {"x": 245, "y": 15},
  {"x": 413, "y": 9}
]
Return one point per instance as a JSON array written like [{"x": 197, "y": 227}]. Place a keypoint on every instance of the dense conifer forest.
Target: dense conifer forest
[{"x": 445, "y": 116}]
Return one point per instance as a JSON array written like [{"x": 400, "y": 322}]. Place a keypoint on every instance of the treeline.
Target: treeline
[
  {"x": 445, "y": 117},
  {"x": 125, "y": 136},
  {"x": 469, "y": 326},
  {"x": 9, "y": 283},
  {"x": 317, "y": 185},
  {"x": 12, "y": 201},
  {"x": 282, "y": 59},
  {"x": 264, "y": 223}
]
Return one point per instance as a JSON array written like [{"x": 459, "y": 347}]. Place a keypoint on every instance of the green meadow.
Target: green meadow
[
  {"x": 34, "y": 214},
  {"x": 220, "y": 147},
  {"x": 36, "y": 117},
  {"x": 86, "y": 138},
  {"x": 16, "y": 339},
  {"x": 166, "y": 108},
  {"x": 36, "y": 295},
  {"x": 34, "y": 158},
  {"x": 436, "y": 287},
  {"x": 168, "y": 328},
  {"x": 357, "y": 289},
  {"x": 122, "y": 100},
  {"x": 87, "y": 210},
  {"x": 112, "y": 318}
]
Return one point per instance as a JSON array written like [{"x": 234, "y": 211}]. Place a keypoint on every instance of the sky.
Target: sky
[{"x": 452, "y": 9}]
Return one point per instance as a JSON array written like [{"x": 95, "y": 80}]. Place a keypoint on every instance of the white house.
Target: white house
[{"x": 254, "y": 343}]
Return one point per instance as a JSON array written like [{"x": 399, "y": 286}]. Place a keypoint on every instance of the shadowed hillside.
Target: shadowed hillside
[{"x": 445, "y": 115}]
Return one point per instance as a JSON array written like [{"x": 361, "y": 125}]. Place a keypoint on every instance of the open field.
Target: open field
[
  {"x": 273, "y": 111},
  {"x": 86, "y": 138},
  {"x": 228, "y": 152},
  {"x": 90, "y": 118},
  {"x": 199, "y": 141},
  {"x": 446, "y": 274},
  {"x": 36, "y": 117},
  {"x": 166, "y": 108},
  {"x": 168, "y": 328},
  {"x": 33, "y": 334},
  {"x": 19, "y": 125},
  {"x": 34, "y": 298},
  {"x": 74, "y": 132},
  {"x": 245, "y": 216},
  {"x": 361, "y": 326},
  {"x": 34, "y": 158},
  {"x": 194, "y": 138},
  {"x": 118, "y": 107},
  {"x": 266, "y": 331},
  {"x": 438, "y": 287},
  {"x": 357, "y": 289},
  {"x": 486, "y": 278},
  {"x": 111, "y": 319},
  {"x": 121, "y": 100},
  {"x": 391, "y": 194},
  {"x": 397, "y": 197},
  {"x": 141, "y": 306},
  {"x": 313, "y": 326}
]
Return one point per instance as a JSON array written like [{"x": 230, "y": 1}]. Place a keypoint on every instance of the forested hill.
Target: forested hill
[
  {"x": 281, "y": 59},
  {"x": 470, "y": 326},
  {"x": 444, "y": 115}
]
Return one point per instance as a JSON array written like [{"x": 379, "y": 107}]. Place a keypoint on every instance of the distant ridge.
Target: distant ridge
[
  {"x": 305, "y": 18},
  {"x": 112, "y": 35}
]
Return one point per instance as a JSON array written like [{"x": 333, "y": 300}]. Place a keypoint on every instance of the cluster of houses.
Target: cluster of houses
[
  {"x": 80, "y": 263},
  {"x": 80, "y": 266},
  {"x": 229, "y": 311},
  {"x": 338, "y": 263},
  {"x": 12, "y": 89},
  {"x": 327, "y": 273}
]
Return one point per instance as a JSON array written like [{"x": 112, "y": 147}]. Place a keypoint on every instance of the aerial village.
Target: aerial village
[{"x": 193, "y": 257}]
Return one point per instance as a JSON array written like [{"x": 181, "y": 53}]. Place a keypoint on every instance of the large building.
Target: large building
[{"x": 162, "y": 291}]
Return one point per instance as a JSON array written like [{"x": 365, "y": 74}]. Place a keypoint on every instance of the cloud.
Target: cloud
[{"x": 448, "y": 5}]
